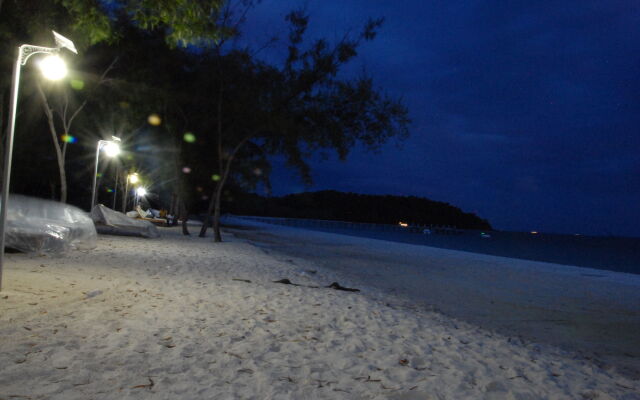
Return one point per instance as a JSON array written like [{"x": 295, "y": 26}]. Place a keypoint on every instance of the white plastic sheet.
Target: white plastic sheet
[
  {"x": 113, "y": 222},
  {"x": 47, "y": 227}
]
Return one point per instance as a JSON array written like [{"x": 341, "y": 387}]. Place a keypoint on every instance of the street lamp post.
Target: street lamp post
[
  {"x": 133, "y": 178},
  {"x": 112, "y": 149},
  {"x": 115, "y": 188},
  {"x": 52, "y": 68}
]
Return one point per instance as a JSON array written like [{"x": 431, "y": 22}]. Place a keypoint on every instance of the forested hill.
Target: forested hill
[{"x": 333, "y": 205}]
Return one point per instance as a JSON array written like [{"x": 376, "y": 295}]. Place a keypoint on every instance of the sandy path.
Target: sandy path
[
  {"x": 167, "y": 319},
  {"x": 592, "y": 311}
]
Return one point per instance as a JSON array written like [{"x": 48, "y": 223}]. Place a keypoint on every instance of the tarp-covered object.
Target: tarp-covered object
[
  {"x": 47, "y": 227},
  {"x": 116, "y": 223}
]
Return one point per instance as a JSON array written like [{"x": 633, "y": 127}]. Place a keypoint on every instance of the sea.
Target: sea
[{"x": 618, "y": 254}]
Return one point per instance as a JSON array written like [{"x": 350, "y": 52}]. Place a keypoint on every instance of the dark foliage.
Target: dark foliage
[{"x": 353, "y": 207}]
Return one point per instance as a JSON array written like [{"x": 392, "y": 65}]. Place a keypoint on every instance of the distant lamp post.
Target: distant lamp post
[
  {"x": 133, "y": 178},
  {"x": 53, "y": 68},
  {"x": 111, "y": 149},
  {"x": 140, "y": 192}
]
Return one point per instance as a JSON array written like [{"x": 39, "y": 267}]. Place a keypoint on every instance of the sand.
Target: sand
[{"x": 175, "y": 317}]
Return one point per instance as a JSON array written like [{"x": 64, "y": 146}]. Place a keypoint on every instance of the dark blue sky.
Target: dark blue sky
[{"x": 524, "y": 112}]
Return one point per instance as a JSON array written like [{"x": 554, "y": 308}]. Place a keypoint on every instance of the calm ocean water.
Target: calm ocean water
[{"x": 606, "y": 253}]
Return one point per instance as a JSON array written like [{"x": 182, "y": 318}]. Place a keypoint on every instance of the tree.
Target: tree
[
  {"x": 66, "y": 114},
  {"x": 301, "y": 105}
]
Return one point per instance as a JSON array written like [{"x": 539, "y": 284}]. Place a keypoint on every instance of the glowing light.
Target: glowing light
[
  {"x": 141, "y": 192},
  {"x": 189, "y": 137},
  {"x": 186, "y": 170},
  {"x": 534, "y": 232},
  {"x": 403, "y": 224},
  {"x": 154, "y": 119},
  {"x": 53, "y": 68},
  {"x": 133, "y": 178},
  {"x": 215, "y": 177},
  {"x": 68, "y": 138},
  {"x": 109, "y": 190},
  {"x": 112, "y": 149},
  {"x": 77, "y": 84}
]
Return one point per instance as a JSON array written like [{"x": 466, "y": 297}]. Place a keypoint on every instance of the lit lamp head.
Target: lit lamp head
[
  {"x": 133, "y": 178},
  {"x": 111, "y": 149},
  {"x": 53, "y": 67},
  {"x": 141, "y": 192}
]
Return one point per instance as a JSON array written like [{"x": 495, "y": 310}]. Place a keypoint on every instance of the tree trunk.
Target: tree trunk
[
  {"x": 205, "y": 223},
  {"x": 184, "y": 215},
  {"x": 213, "y": 204},
  {"x": 2, "y": 128},
  {"x": 217, "y": 237},
  {"x": 63, "y": 181},
  {"x": 54, "y": 136},
  {"x": 217, "y": 194}
]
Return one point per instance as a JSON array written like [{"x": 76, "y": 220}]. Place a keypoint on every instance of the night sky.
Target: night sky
[{"x": 524, "y": 112}]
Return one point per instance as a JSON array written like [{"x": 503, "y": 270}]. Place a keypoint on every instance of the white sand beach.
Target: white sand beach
[
  {"x": 594, "y": 312},
  {"x": 184, "y": 318}
]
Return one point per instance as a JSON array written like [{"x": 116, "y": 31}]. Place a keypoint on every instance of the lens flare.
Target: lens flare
[
  {"x": 189, "y": 137},
  {"x": 77, "y": 84},
  {"x": 68, "y": 138},
  {"x": 215, "y": 177},
  {"x": 154, "y": 119},
  {"x": 186, "y": 170}
]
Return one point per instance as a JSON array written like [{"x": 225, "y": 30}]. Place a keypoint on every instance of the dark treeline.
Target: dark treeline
[{"x": 353, "y": 207}]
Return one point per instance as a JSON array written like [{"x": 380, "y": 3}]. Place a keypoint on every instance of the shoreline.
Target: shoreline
[
  {"x": 590, "y": 311},
  {"x": 618, "y": 254}
]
